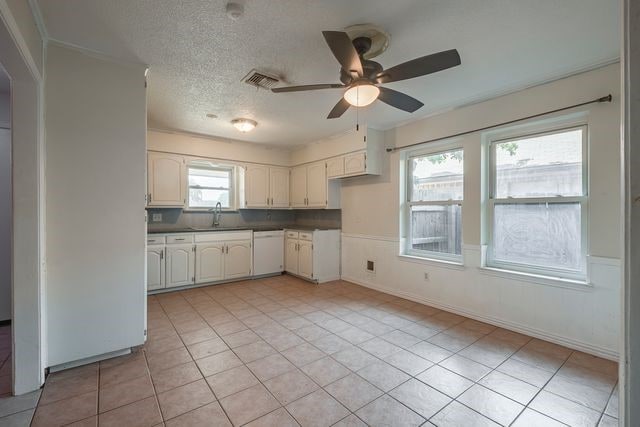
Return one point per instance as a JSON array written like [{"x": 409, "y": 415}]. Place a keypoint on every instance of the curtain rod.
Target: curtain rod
[{"x": 607, "y": 98}]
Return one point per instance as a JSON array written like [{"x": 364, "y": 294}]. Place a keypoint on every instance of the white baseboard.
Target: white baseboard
[
  {"x": 567, "y": 342},
  {"x": 88, "y": 360}
]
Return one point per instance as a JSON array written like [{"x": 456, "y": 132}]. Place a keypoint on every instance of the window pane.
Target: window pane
[
  {"x": 437, "y": 228},
  {"x": 540, "y": 166},
  {"x": 541, "y": 234},
  {"x": 203, "y": 198},
  {"x": 209, "y": 178},
  {"x": 437, "y": 176}
]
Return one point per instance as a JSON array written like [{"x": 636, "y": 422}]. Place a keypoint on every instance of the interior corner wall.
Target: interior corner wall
[
  {"x": 5, "y": 206},
  {"x": 95, "y": 113},
  {"x": 587, "y": 318}
]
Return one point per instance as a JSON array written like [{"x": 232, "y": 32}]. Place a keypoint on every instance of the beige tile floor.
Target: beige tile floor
[{"x": 283, "y": 352}]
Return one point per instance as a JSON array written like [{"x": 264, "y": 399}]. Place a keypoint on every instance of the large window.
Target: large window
[
  {"x": 434, "y": 208},
  {"x": 210, "y": 184},
  {"x": 537, "y": 203}
]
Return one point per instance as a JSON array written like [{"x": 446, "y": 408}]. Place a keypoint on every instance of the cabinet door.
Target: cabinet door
[
  {"x": 299, "y": 186},
  {"x": 291, "y": 256},
  {"x": 305, "y": 259},
  {"x": 209, "y": 262},
  {"x": 237, "y": 259},
  {"x": 180, "y": 265},
  {"x": 355, "y": 163},
  {"x": 317, "y": 185},
  {"x": 256, "y": 186},
  {"x": 279, "y": 187},
  {"x": 155, "y": 267},
  {"x": 335, "y": 167},
  {"x": 166, "y": 180}
]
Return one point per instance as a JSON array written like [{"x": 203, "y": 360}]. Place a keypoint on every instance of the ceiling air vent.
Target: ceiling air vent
[{"x": 259, "y": 79}]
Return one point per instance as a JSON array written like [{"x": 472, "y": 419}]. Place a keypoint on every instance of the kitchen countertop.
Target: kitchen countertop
[{"x": 245, "y": 228}]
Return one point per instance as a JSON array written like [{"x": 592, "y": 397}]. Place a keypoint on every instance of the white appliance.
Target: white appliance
[{"x": 268, "y": 252}]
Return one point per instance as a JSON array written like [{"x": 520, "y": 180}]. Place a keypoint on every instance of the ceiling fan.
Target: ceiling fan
[{"x": 362, "y": 77}]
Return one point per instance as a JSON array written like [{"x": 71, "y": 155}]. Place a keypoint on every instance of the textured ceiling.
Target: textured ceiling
[{"x": 198, "y": 56}]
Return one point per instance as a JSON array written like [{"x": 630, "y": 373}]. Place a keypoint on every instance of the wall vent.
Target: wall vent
[
  {"x": 371, "y": 266},
  {"x": 260, "y": 79}
]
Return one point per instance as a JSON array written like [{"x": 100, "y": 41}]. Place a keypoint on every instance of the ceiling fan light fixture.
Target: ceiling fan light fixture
[
  {"x": 244, "y": 125},
  {"x": 361, "y": 95}
]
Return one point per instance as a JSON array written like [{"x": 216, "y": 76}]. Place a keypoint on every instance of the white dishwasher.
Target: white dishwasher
[{"x": 268, "y": 252}]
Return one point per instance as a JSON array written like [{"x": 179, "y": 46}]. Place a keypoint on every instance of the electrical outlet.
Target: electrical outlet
[
  {"x": 156, "y": 217},
  {"x": 426, "y": 276}
]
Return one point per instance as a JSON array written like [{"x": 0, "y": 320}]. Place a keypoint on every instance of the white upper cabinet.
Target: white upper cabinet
[
  {"x": 335, "y": 167},
  {"x": 299, "y": 187},
  {"x": 256, "y": 186},
  {"x": 279, "y": 187},
  {"x": 317, "y": 185},
  {"x": 355, "y": 163},
  {"x": 266, "y": 187},
  {"x": 166, "y": 180}
]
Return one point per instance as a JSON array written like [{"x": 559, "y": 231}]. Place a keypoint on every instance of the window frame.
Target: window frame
[
  {"x": 211, "y": 166},
  {"x": 492, "y": 201},
  {"x": 408, "y": 250}
]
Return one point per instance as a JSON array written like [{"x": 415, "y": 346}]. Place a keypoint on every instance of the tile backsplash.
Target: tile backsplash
[{"x": 174, "y": 219}]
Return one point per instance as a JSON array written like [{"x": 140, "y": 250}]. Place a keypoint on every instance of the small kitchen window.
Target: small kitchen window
[
  {"x": 210, "y": 184},
  {"x": 433, "y": 215}
]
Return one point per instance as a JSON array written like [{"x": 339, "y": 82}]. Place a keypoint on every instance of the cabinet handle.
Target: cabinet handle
[
  {"x": 162, "y": 254},
  {"x": 179, "y": 239},
  {"x": 149, "y": 197}
]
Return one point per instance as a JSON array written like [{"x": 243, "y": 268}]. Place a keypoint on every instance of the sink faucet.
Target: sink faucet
[{"x": 217, "y": 211}]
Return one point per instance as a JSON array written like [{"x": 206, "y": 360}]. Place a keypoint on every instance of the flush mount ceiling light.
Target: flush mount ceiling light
[
  {"x": 244, "y": 125},
  {"x": 361, "y": 94}
]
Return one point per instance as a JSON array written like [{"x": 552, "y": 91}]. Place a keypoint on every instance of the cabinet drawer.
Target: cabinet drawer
[
  {"x": 155, "y": 240},
  {"x": 292, "y": 234},
  {"x": 306, "y": 236},
  {"x": 180, "y": 238}
]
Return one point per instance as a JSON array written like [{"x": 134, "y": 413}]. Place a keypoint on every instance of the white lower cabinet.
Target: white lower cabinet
[
  {"x": 305, "y": 259},
  {"x": 188, "y": 259},
  {"x": 237, "y": 259},
  {"x": 180, "y": 265},
  {"x": 313, "y": 255},
  {"x": 291, "y": 255},
  {"x": 209, "y": 262},
  {"x": 155, "y": 267}
]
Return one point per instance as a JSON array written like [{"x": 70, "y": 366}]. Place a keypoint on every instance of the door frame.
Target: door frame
[{"x": 27, "y": 139}]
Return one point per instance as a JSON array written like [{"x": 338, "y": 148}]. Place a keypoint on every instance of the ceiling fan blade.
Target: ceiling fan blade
[
  {"x": 342, "y": 48},
  {"x": 399, "y": 100},
  {"x": 307, "y": 87},
  {"x": 420, "y": 66},
  {"x": 339, "y": 109}
]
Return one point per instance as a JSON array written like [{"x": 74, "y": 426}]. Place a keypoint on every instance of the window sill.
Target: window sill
[
  {"x": 454, "y": 265},
  {"x": 560, "y": 282}
]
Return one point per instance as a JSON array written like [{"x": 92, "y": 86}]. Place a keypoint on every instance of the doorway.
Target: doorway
[{"x": 19, "y": 57}]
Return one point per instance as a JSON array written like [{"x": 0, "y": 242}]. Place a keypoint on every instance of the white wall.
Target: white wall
[
  {"x": 5, "y": 207},
  {"x": 586, "y": 318},
  {"x": 96, "y": 157},
  {"x": 201, "y": 146}
]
